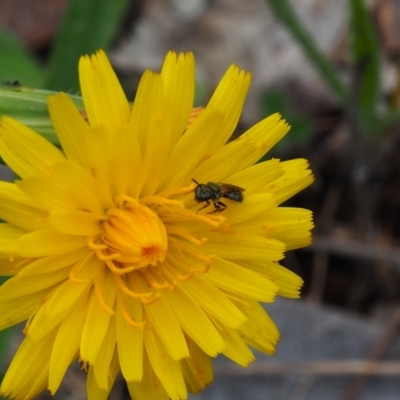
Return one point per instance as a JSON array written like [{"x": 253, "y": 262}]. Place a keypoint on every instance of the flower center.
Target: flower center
[{"x": 134, "y": 237}]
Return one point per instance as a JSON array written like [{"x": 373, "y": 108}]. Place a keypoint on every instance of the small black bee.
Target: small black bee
[
  {"x": 14, "y": 83},
  {"x": 213, "y": 191}
]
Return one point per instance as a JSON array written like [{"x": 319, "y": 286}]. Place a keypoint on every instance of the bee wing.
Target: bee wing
[{"x": 230, "y": 186}]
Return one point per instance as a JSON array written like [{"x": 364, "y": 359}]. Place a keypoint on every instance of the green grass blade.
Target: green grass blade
[
  {"x": 365, "y": 52},
  {"x": 16, "y": 63},
  {"x": 87, "y": 26},
  {"x": 284, "y": 12}
]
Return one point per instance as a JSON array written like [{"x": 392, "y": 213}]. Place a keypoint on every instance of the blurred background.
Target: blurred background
[{"x": 331, "y": 67}]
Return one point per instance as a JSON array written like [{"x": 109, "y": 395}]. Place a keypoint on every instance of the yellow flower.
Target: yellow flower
[{"x": 111, "y": 261}]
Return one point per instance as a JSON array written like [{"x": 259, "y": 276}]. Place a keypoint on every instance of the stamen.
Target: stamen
[
  {"x": 137, "y": 282},
  {"x": 205, "y": 269},
  {"x": 121, "y": 200},
  {"x": 85, "y": 366},
  {"x": 176, "y": 274},
  {"x": 173, "y": 284},
  {"x": 130, "y": 321},
  {"x": 196, "y": 254},
  {"x": 75, "y": 269},
  {"x": 169, "y": 209},
  {"x": 171, "y": 192},
  {"x": 108, "y": 257},
  {"x": 127, "y": 317},
  {"x": 161, "y": 200},
  {"x": 97, "y": 285},
  {"x": 121, "y": 284},
  {"x": 92, "y": 245},
  {"x": 173, "y": 243},
  {"x": 119, "y": 270},
  {"x": 213, "y": 220},
  {"x": 152, "y": 281},
  {"x": 147, "y": 302},
  {"x": 185, "y": 234},
  {"x": 206, "y": 258},
  {"x": 119, "y": 213}
]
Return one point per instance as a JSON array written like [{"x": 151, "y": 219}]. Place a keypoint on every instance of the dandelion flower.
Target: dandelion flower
[{"x": 110, "y": 260}]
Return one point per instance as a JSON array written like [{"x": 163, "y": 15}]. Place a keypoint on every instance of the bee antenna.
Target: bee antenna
[{"x": 197, "y": 183}]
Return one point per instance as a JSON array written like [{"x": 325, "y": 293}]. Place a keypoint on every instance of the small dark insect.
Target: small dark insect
[
  {"x": 213, "y": 191},
  {"x": 14, "y": 83}
]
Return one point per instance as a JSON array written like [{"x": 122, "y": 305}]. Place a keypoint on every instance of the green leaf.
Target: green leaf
[
  {"x": 29, "y": 106},
  {"x": 285, "y": 13},
  {"x": 88, "y": 25},
  {"x": 365, "y": 52},
  {"x": 16, "y": 63}
]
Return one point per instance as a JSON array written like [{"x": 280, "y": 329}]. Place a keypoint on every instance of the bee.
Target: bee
[{"x": 213, "y": 191}]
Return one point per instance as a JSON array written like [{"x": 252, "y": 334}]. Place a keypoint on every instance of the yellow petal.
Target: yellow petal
[
  {"x": 83, "y": 187},
  {"x": 236, "y": 349},
  {"x": 189, "y": 151},
  {"x": 290, "y": 225},
  {"x": 167, "y": 370},
  {"x": 297, "y": 177},
  {"x": 130, "y": 339},
  {"x": 88, "y": 147},
  {"x": 288, "y": 282},
  {"x": 29, "y": 368},
  {"x": 10, "y": 265},
  {"x": 18, "y": 210},
  {"x": 98, "y": 317},
  {"x": 259, "y": 331},
  {"x": 197, "y": 369},
  {"x": 49, "y": 264},
  {"x": 48, "y": 242},
  {"x": 63, "y": 299},
  {"x": 46, "y": 195},
  {"x": 150, "y": 387},
  {"x": 100, "y": 157},
  {"x": 232, "y": 278},
  {"x": 76, "y": 222},
  {"x": 94, "y": 392},
  {"x": 178, "y": 76},
  {"x": 164, "y": 320},
  {"x": 238, "y": 245},
  {"x": 26, "y": 152},
  {"x": 66, "y": 345},
  {"x": 213, "y": 301},
  {"x": 242, "y": 152},
  {"x": 23, "y": 286},
  {"x": 228, "y": 99},
  {"x": 253, "y": 206},
  {"x": 9, "y": 236},
  {"x": 70, "y": 126},
  {"x": 102, "y": 364},
  {"x": 195, "y": 323},
  {"x": 153, "y": 128},
  {"x": 255, "y": 178},
  {"x": 104, "y": 99},
  {"x": 40, "y": 383},
  {"x": 16, "y": 310},
  {"x": 127, "y": 162}
]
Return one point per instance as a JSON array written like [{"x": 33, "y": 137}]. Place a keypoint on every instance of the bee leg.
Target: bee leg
[
  {"x": 219, "y": 206},
  {"x": 205, "y": 206}
]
